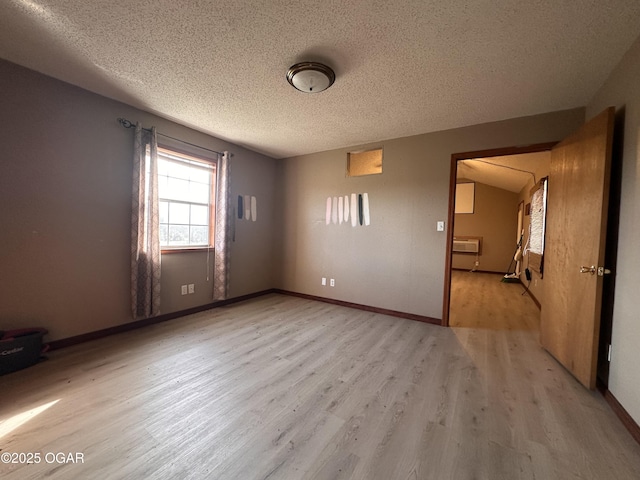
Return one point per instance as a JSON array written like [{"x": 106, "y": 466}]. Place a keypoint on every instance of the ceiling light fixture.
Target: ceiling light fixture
[{"x": 310, "y": 77}]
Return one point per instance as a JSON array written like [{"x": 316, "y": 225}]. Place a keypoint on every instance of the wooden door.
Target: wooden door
[{"x": 575, "y": 238}]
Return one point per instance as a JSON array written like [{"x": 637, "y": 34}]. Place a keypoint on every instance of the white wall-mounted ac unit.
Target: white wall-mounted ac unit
[{"x": 466, "y": 246}]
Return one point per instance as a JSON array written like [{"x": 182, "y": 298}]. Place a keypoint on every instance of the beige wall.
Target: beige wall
[
  {"x": 622, "y": 90},
  {"x": 65, "y": 196},
  {"x": 495, "y": 219},
  {"x": 398, "y": 261}
]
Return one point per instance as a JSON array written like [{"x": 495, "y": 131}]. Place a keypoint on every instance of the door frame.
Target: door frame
[{"x": 455, "y": 158}]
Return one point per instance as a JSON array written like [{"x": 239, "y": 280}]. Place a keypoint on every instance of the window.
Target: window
[
  {"x": 537, "y": 225},
  {"x": 186, "y": 196},
  {"x": 465, "y": 197},
  {"x": 364, "y": 163}
]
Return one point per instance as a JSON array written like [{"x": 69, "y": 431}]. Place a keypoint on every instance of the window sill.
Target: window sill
[{"x": 185, "y": 249}]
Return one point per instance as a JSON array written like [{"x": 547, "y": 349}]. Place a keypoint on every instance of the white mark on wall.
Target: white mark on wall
[
  {"x": 254, "y": 208},
  {"x": 346, "y": 208},
  {"x": 341, "y": 209},
  {"x": 328, "y": 212},
  {"x": 365, "y": 209},
  {"x": 247, "y": 207},
  {"x": 354, "y": 210}
]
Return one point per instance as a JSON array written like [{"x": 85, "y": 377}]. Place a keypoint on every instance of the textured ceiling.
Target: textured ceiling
[{"x": 403, "y": 68}]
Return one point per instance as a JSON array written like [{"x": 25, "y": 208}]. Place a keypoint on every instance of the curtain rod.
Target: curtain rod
[{"x": 127, "y": 124}]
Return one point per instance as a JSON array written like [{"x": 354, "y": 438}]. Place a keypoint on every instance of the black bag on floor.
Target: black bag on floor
[{"x": 21, "y": 348}]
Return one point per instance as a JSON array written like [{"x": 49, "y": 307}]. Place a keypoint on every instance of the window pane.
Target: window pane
[
  {"x": 178, "y": 235},
  {"x": 537, "y": 218},
  {"x": 199, "y": 193},
  {"x": 465, "y": 197},
  {"x": 184, "y": 187},
  {"x": 199, "y": 235},
  {"x": 163, "y": 167},
  {"x": 164, "y": 234},
  {"x": 364, "y": 163},
  {"x": 179, "y": 213},
  {"x": 178, "y": 189},
  {"x": 199, "y": 215},
  {"x": 164, "y": 212},
  {"x": 200, "y": 175},
  {"x": 177, "y": 170},
  {"x": 163, "y": 189}
]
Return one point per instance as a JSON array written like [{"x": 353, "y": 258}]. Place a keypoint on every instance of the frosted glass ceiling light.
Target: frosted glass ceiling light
[{"x": 310, "y": 77}]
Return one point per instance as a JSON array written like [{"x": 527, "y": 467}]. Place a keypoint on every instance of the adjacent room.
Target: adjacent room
[
  {"x": 492, "y": 241},
  {"x": 291, "y": 240}
]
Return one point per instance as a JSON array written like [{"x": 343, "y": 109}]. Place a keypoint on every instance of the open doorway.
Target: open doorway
[
  {"x": 485, "y": 276},
  {"x": 576, "y": 254}
]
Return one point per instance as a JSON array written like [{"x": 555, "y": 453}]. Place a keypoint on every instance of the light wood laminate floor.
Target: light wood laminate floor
[
  {"x": 482, "y": 300},
  {"x": 286, "y": 388}
]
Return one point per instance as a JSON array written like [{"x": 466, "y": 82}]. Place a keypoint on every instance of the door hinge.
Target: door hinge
[{"x": 609, "y": 353}]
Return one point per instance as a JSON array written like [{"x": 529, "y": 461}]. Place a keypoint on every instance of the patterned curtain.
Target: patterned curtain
[
  {"x": 145, "y": 238},
  {"x": 222, "y": 242}
]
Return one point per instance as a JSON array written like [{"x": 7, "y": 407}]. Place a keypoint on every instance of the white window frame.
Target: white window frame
[{"x": 171, "y": 155}]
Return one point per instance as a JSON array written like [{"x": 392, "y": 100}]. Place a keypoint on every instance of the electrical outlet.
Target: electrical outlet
[
  {"x": 333, "y": 282},
  {"x": 324, "y": 282},
  {"x": 183, "y": 290},
  {"x": 477, "y": 264},
  {"x": 192, "y": 288}
]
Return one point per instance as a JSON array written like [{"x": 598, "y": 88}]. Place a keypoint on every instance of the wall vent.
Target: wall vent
[{"x": 466, "y": 246}]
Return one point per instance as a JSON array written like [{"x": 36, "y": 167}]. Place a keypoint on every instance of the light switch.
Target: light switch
[{"x": 440, "y": 226}]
